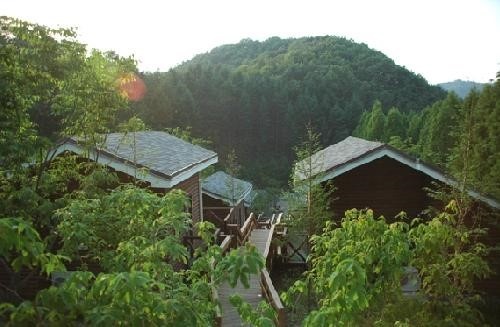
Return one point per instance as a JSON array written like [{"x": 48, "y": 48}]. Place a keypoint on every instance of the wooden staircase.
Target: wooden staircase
[{"x": 260, "y": 234}]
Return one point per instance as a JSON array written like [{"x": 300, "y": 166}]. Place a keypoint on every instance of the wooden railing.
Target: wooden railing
[
  {"x": 238, "y": 236},
  {"x": 242, "y": 234},
  {"x": 273, "y": 298},
  {"x": 225, "y": 246},
  {"x": 237, "y": 214},
  {"x": 267, "y": 287},
  {"x": 222, "y": 216},
  {"x": 215, "y": 215},
  {"x": 291, "y": 252}
]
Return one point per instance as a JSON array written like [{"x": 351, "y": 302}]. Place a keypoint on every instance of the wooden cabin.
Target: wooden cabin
[
  {"x": 161, "y": 161},
  {"x": 374, "y": 175},
  {"x": 221, "y": 192}
]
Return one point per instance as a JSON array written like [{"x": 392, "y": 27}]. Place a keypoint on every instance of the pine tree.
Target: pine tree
[
  {"x": 377, "y": 123},
  {"x": 395, "y": 125},
  {"x": 437, "y": 137}
]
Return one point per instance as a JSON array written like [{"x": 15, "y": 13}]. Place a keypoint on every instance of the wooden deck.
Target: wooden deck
[{"x": 252, "y": 295}]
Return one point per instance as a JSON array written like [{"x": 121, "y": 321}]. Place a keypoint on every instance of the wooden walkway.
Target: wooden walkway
[{"x": 253, "y": 294}]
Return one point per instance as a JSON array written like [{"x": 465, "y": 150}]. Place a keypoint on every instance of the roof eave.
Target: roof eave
[
  {"x": 155, "y": 178},
  {"x": 223, "y": 197}
]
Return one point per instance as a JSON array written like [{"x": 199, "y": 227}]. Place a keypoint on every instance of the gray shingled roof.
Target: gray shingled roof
[
  {"x": 158, "y": 151},
  {"x": 336, "y": 155},
  {"x": 219, "y": 184}
]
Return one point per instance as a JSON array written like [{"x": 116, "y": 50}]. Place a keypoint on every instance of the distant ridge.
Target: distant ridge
[{"x": 461, "y": 88}]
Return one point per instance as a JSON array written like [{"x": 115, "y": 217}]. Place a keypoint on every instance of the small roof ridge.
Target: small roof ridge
[
  {"x": 338, "y": 154},
  {"x": 219, "y": 182},
  {"x": 158, "y": 151}
]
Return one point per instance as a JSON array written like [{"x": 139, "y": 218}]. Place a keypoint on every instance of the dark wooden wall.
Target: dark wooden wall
[
  {"x": 209, "y": 201},
  {"x": 384, "y": 185},
  {"x": 192, "y": 187}
]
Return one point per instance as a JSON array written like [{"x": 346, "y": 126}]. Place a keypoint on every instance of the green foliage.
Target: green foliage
[
  {"x": 377, "y": 126},
  {"x": 377, "y": 123},
  {"x": 357, "y": 269},
  {"x": 134, "y": 124},
  {"x": 144, "y": 226},
  {"x": 475, "y": 157},
  {"x": 448, "y": 256},
  {"x": 90, "y": 98},
  {"x": 126, "y": 298},
  {"x": 309, "y": 204},
  {"x": 263, "y": 316},
  {"x": 354, "y": 267},
  {"x": 395, "y": 125},
  {"x": 46, "y": 75},
  {"x": 238, "y": 264},
  {"x": 436, "y": 137},
  {"x": 21, "y": 246},
  {"x": 140, "y": 284},
  {"x": 33, "y": 61}
]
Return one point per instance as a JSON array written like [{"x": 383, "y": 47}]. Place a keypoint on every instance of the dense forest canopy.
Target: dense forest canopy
[{"x": 257, "y": 97}]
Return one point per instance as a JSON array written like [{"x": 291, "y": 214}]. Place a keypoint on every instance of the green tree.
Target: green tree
[
  {"x": 357, "y": 270},
  {"x": 309, "y": 202},
  {"x": 361, "y": 129},
  {"x": 437, "y": 135},
  {"x": 310, "y": 205},
  {"x": 377, "y": 123},
  {"x": 476, "y": 151},
  {"x": 33, "y": 61},
  {"x": 395, "y": 124},
  {"x": 138, "y": 259},
  {"x": 414, "y": 127},
  {"x": 373, "y": 124}
]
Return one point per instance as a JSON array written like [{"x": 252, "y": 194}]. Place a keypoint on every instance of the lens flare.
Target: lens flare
[{"x": 132, "y": 87}]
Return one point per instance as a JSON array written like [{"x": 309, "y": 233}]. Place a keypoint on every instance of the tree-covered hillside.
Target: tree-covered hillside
[{"x": 257, "y": 97}]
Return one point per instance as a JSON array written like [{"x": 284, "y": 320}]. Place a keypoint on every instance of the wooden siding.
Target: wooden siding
[
  {"x": 192, "y": 187},
  {"x": 209, "y": 201},
  {"x": 384, "y": 185}
]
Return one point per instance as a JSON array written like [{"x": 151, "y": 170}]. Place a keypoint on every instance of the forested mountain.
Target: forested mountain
[
  {"x": 257, "y": 97},
  {"x": 462, "y": 88}
]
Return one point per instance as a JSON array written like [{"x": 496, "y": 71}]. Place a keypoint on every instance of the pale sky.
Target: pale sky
[{"x": 442, "y": 40}]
